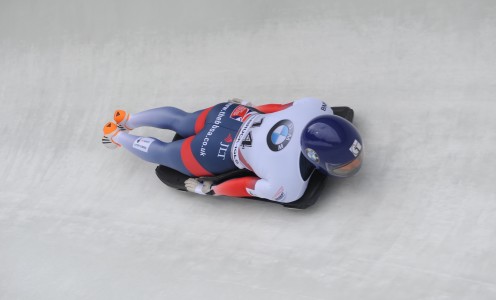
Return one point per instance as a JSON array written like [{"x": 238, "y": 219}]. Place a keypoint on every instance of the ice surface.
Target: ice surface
[{"x": 78, "y": 221}]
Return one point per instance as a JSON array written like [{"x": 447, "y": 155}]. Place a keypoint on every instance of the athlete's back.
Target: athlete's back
[{"x": 270, "y": 147}]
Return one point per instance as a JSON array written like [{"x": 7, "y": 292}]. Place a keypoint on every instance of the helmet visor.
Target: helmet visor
[{"x": 346, "y": 170}]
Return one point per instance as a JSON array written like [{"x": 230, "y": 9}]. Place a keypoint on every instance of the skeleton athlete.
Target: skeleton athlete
[{"x": 281, "y": 143}]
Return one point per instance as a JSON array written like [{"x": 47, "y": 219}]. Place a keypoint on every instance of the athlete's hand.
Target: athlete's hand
[
  {"x": 240, "y": 101},
  {"x": 195, "y": 186}
]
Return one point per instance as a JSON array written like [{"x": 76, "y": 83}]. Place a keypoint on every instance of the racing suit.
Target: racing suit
[{"x": 264, "y": 139}]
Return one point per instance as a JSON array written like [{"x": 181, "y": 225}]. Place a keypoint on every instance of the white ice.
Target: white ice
[{"x": 78, "y": 221}]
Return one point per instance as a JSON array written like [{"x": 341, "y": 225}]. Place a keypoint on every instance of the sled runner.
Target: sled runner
[{"x": 175, "y": 179}]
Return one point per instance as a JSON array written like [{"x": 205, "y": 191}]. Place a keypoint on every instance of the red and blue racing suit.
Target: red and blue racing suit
[{"x": 228, "y": 136}]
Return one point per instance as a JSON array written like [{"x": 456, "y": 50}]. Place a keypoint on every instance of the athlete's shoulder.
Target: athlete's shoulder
[
  {"x": 307, "y": 101},
  {"x": 310, "y": 107},
  {"x": 312, "y": 103}
]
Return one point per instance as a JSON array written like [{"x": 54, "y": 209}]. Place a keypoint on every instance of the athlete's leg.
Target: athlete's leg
[
  {"x": 172, "y": 118},
  {"x": 154, "y": 150}
]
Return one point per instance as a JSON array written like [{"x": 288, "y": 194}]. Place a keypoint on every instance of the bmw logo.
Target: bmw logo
[{"x": 280, "y": 135}]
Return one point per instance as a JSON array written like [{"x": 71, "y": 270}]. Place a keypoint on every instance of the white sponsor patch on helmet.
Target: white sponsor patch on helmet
[{"x": 356, "y": 148}]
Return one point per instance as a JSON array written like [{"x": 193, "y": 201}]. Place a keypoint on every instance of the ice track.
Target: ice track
[{"x": 78, "y": 221}]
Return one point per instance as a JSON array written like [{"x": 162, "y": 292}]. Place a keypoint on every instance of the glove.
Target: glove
[
  {"x": 240, "y": 101},
  {"x": 195, "y": 186}
]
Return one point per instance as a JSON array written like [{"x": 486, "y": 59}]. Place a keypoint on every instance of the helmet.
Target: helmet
[{"x": 333, "y": 145}]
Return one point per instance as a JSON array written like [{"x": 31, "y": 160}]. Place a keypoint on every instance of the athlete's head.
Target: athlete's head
[{"x": 333, "y": 145}]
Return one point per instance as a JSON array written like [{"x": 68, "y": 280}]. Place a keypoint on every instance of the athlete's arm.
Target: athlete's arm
[
  {"x": 270, "y": 108},
  {"x": 237, "y": 187},
  {"x": 250, "y": 186}
]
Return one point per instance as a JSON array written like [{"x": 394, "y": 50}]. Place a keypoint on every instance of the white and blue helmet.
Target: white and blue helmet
[{"x": 333, "y": 145}]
